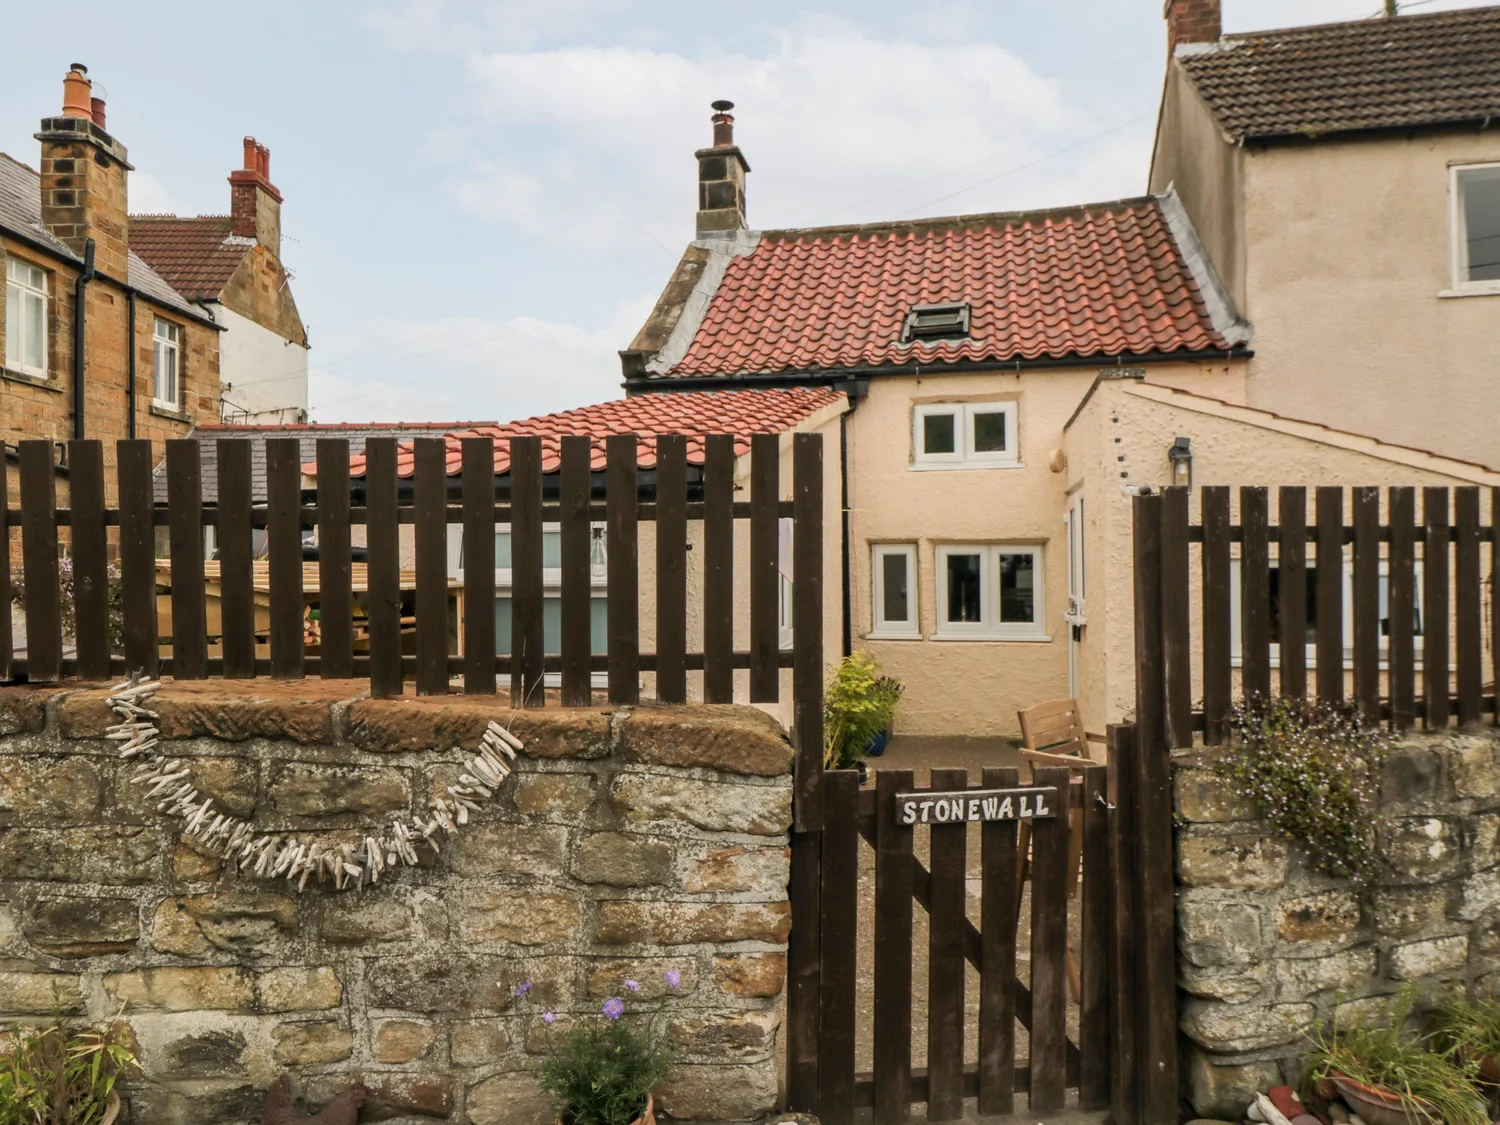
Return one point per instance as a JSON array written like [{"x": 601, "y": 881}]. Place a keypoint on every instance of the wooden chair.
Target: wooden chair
[{"x": 1054, "y": 736}]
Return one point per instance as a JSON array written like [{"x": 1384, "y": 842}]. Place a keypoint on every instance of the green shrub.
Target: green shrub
[
  {"x": 1467, "y": 1029},
  {"x": 1314, "y": 772},
  {"x": 61, "y": 1075},
  {"x": 858, "y": 704}
]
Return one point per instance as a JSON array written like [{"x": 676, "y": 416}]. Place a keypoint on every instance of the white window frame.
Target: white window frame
[
  {"x": 880, "y": 628},
  {"x": 965, "y": 456},
  {"x": 784, "y": 582},
  {"x": 169, "y": 344},
  {"x": 1459, "y": 244},
  {"x": 26, "y": 291},
  {"x": 989, "y": 627}
]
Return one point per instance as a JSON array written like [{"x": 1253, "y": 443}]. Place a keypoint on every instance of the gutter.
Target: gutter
[
  {"x": 80, "y": 324},
  {"x": 1412, "y": 129},
  {"x": 831, "y": 377},
  {"x": 854, "y": 391}
]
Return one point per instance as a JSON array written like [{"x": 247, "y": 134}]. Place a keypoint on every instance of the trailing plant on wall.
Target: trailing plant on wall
[
  {"x": 69, "y": 603},
  {"x": 858, "y": 704},
  {"x": 1314, "y": 772},
  {"x": 62, "y": 1075}
]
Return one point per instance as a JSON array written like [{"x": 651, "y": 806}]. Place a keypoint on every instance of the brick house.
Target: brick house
[
  {"x": 149, "y": 362},
  {"x": 231, "y": 266}
]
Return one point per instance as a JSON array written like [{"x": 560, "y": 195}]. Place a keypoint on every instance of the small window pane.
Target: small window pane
[
  {"x": 35, "y": 332},
  {"x": 552, "y": 624},
  {"x": 502, "y": 550},
  {"x": 964, "y": 588},
  {"x": 502, "y": 626},
  {"x": 1018, "y": 589},
  {"x": 939, "y": 433},
  {"x": 893, "y": 580},
  {"x": 599, "y": 625},
  {"x": 12, "y": 325},
  {"x": 551, "y": 550},
  {"x": 989, "y": 432},
  {"x": 1480, "y": 192}
]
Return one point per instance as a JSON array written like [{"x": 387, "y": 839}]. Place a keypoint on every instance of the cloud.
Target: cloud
[
  {"x": 149, "y": 196},
  {"x": 468, "y": 368},
  {"x": 1250, "y": 15},
  {"x": 596, "y": 140},
  {"x": 447, "y": 25}
]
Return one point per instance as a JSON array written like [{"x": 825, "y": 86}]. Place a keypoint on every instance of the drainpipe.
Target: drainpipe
[
  {"x": 130, "y": 365},
  {"x": 856, "y": 389},
  {"x": 80, "y": 319}
]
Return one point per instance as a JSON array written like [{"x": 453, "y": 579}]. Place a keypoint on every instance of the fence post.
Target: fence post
[
  {"x": 383, "y": 535},
  {"x": 7, "y": 646},
  {"x": 284, "y": 537},
  {"x": 185, "y": 537},
  {"x": 1177, "y": 670},
  {"x": 137, "y": 556},
  {"x": 1435, "y": 685},
  {"x": 478, "y": 461},
  {"x": 1124, "y": 1061},
  {"x": 430, "y": 498},
  {"x": 1216, "y": 628},
  {"x": 90, "y": 562},
  {"x": 39, "y": 562}
]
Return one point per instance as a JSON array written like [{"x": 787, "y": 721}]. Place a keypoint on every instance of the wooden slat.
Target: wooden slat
[
  {"x": 430, "y": 498},
  {"x": 1255, "y": 596},
  {"x": 335, "y": 561},
  {"x": 999, "y": 909},
  {"x": 804, "y": 967},
  {"x": 807, "y": 628},
  {"x": 1216, "y": 624},
  {"x": 528, "y": 646},
  {"x": 1329, "y": 501},
  {"x": 478, "y": 466},
  {"x": 90, "y": 558},
  {"x": 765, "y": 625},
  {"x": 576, "y": 532},
  {"x": 893, "y": 952},
  {"x": 1124, "y": 964},
  {"x": 1494, "y": 535},
  {"x": 1435, "y": 686},
  {"x": 671, "y": 574},
  {"x": 185, "y": 538},
  {"x": 7, "y": 640},
  {"x": 1093, "y": 1003},
  {"x": 383, "y": 598},
  {"x": 1400, "y": 640},
  {"x": 39, "y": 562},
  {"x": 1049, "y": 939},
  {"x": 284, "y": 538},
  {"x": 1156, "y": 918},
  {"x": 1468, "y": 613},
  {"x": 1177, "y": 670},
  {"x": 1149, "y": 677},
  {"x": 1292, "y": 566},
  {"x": 236, "y": 565},
  {"x": 839, "y": 941},
  {"x": 1367, "y": 603},
  {"x": 137, "y": 556},
  {"x": 945, "y": 961},
  {"x": 718, "y": 569},
  {"x": 624, "y": 580}
]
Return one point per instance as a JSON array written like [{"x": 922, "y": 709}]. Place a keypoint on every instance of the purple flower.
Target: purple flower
[
  {"x": 633, "y": 986},
  {"x": 549, "y": 1017},
  {"x": 614, "y": 1008},
  {"x": 523, "y": 989},
  {"x": 673, "y": 978}
]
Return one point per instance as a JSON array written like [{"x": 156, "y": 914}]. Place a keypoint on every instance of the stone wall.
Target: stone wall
[
  {"x": 627, "y": 843},
  {"x": 1266, "y": 946}
]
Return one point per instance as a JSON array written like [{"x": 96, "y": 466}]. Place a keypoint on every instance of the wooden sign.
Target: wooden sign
[{"x": 976, "y": 805}]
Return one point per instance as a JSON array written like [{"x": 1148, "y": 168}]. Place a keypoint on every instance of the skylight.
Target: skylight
[{"x": 936, "y": 322}]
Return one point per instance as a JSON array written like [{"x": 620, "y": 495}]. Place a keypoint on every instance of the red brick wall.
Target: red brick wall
[{"x": 1192, "y": 21}]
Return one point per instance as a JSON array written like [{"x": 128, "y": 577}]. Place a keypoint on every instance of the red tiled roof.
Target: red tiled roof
[
  {"x": 1100, "y": 280},
  {"x": 190, "y": 253},
  {"x": 694, "y": 414}
]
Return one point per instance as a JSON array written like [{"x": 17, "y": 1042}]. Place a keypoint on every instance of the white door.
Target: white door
[{"x": 1076, "y": 616}]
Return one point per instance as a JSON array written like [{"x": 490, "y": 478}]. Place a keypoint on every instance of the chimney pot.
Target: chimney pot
[
  {"x": 263, "y": 162},
  {"x": 77, "y": 92},
  {"x": 723, "y": 124},
  {"x": 96, "y": 111}
]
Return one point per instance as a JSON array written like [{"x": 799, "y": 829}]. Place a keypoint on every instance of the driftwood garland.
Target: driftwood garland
[{"x": 273, "y": 856}]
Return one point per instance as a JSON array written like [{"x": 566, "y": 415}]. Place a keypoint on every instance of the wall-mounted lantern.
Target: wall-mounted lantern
[{"x": 1180, "y": 454}]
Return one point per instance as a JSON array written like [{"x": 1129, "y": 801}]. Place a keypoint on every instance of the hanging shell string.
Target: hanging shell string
[{"x": 169, "y": 783}]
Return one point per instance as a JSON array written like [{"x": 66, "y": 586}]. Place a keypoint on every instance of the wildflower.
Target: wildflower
[
  {"x": 549, "y": 1017},
  {"x": 633, "y": 986},
  {"x": 614, "y": 1008},
  {"x": 523, "y": 989},
  {"x": 673, "y": 978}
]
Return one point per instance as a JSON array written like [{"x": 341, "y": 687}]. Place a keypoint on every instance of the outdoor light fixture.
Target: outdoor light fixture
[{"x": 1180, "y": 454}]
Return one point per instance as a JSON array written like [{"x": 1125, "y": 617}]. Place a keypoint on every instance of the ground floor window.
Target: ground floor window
[
  {"x": 893, "y": 569},
  {"x": 990, "y": 591}
]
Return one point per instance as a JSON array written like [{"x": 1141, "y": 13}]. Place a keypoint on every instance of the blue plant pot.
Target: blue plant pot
[{"x": 876, "y": 746}]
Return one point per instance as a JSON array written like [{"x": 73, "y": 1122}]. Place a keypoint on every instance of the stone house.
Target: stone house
[
  {"x": 230, "y": 265},
  {"x": 96, "y": 343}
]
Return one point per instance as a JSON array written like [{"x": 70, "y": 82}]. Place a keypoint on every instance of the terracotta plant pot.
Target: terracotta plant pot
[
  {"x": 1489, "y": 1069},
  {"x": 111, "y": 1109},
  {"x": 648, "y": 1117},
  {"x": 1380, "y": 1107}
]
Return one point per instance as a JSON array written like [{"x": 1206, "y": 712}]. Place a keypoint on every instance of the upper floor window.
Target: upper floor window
[
  {"x": 166, "y": 363},
  {"x": 1476, "y": 227},
  {"x": 25, "y": 318},
  {"x": 964, "y": 434}
]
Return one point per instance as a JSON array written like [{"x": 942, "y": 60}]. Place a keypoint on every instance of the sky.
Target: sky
[{"x": 484, "y": 197}]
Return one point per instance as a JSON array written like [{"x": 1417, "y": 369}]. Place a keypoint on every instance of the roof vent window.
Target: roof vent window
[{"x": 936, "y": 322}]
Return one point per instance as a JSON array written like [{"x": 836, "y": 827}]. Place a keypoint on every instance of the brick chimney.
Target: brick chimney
[
  {"x": 721, "y": 178},
  {"x": 1191, "y": 23},
  {"x": 85, "y": 176},
  {"x": 254, "y": 203}
]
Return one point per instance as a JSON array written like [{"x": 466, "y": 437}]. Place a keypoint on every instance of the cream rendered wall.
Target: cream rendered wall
[
  {"x": 1135, "y": 421},
  {"x": 967, "y": 687},
  {"x": 263, "y": 376},
  {"x": 1348, "y": 253}
]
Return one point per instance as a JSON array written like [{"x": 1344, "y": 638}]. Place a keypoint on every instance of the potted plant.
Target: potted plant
[
  {"x": 1471, "y": 1031},
  {"x": 858, "y": 707},
  {"x": 1392, "y": 1077},
  {"x": 602, "y": 1070},
  {"x": 63, "y": 1075}
]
